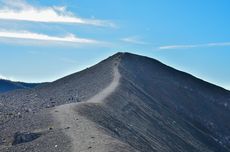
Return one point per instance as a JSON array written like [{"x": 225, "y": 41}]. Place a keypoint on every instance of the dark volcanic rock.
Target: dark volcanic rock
[
  {"x": 2, "y": 140},
  {"x": 24, "y": 137}
]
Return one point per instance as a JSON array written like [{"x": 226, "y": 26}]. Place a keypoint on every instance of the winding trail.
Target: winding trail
[
  {"x": 109, "y": 89},
  {"x": 84, "y": 134}
]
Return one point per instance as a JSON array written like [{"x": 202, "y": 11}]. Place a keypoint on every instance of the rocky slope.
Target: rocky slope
[{"x": 125, "y": 103}]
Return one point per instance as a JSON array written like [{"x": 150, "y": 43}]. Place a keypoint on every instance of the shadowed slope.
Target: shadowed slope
[{"x": 157, "y": 108}]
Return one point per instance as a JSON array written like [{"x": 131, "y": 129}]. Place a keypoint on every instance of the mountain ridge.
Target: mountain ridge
[
  {"x": 8, "y": 85},
  {"x": 154, "y": 108}
]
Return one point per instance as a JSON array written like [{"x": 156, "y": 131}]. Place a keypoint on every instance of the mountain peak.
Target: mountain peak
[{"x": 138, "y": 103}]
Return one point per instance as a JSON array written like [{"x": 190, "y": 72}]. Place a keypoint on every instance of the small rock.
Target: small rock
[
  {"x": 19, "y": 115},
  {"x": 2, "y": 141},
  {"x": 28, "y": 110},
  {"x": 51, "y": 128},
  {"x": 24, "y": 137}
]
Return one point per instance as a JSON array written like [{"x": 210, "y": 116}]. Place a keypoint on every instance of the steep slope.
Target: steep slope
[
  {"x": 6, "y": 85},
  {"x": 125, "y": 103},
  {"x": 166, "y": 110}
]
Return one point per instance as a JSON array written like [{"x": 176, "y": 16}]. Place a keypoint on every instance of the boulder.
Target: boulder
[{"x": 24, "y": 137}]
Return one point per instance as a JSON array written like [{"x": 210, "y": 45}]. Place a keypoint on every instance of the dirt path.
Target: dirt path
[
  {"x": 84, "y": 134},
  {"x": 108, "y": 90}
]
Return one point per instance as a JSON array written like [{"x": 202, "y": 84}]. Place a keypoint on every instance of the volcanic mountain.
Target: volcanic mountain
[
  {"x": 7, "y": 85},
  {"x": 125, "y": 103}
]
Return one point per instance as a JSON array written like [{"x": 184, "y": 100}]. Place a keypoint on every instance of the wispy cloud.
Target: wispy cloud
[
  {"x": 20, "y": 10},
  {"x": 167, "y": 47},
  {"x": 134, "y": 40},
  {"x": 42, "y": 37}
]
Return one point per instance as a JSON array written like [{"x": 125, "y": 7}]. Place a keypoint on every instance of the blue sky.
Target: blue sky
[{"x": 44, "y": 40}]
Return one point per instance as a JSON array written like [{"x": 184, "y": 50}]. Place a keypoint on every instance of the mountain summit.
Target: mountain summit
[{"x": 125, "y": 103}]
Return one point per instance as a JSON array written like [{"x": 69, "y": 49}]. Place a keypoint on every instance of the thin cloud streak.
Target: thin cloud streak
[
  {"x": 133, "y": 40},
  {"x": 22, "y": 11},
  {"x": 42, "y": 37},
  {"x": 168, "y": 47}
]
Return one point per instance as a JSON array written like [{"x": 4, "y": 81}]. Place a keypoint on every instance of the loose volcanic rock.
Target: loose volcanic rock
[{"x": 24, "y": 137}]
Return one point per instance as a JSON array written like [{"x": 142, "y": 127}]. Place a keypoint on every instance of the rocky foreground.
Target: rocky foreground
[{"x": 125, "y": 103}]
